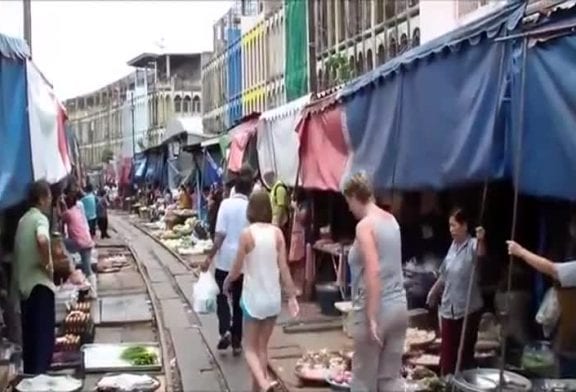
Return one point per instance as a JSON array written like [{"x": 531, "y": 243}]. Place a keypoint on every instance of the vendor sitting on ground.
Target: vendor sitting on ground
[
  {"x": 565, "y": 276},
  {"x": 184, "y": 199},
  {"x": 33, "y": 278}
]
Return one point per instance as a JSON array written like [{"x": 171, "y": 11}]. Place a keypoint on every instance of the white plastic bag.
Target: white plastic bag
[
  {"x": 549, "y": 312},
  {"x": 205, "y": 292}
]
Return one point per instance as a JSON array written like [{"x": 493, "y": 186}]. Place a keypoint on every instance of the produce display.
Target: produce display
[
  {"x": 76, "y": 322},
  {"x": 44, "y": 383},
  {"x": 426, "y": 360},
  {"x": 340, "y": 379},
  {"x": 418, "y": 337},
  {"x": 319, "y": 365},
  {"x": 127, "y": 383},
  {"x": 112, "y": 263},
  {"x": 182, "y": 239},
  {"x": 82, "y": 307},
  {"x": 139, "y": 356},
  {"x": 68, "y": 342}
]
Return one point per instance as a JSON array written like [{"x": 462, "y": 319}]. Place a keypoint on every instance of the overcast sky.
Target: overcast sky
[{"x": 81, "y": 46}]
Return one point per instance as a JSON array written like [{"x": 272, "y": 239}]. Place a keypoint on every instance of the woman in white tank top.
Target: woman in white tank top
[{"x": 262, "y": 259}]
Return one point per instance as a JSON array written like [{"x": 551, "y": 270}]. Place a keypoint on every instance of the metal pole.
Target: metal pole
[
  {"x": 27, "y": 16},
  {"x": 133, "y": 124}
]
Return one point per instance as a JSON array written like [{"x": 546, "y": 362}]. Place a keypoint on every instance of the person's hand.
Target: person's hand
[
  {"x": 293, "y": 307},
  {"x": 515, "y": 249},
  {"x": 374, "y": 331},
  {"x": 480, "y": 233},
  {"x": 432, "y": 299},
  {"x": 205, "y": 266},
  {"x": 226, "y": 286}
]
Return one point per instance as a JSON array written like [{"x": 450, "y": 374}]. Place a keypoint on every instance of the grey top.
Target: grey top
[
  {"x": 455, "y": 272},
  {"x": 566, "y": 274},
  {"x": 388, "y": 243}
]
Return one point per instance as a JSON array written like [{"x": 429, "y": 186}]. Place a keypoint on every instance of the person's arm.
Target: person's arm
[
  {"x": 480, "y": 242},
  {"x": 282, "y": 201},
  {"x": 236, "y": 270},
  {"x": 369, "y": 252},
  {"x": 43, "y": 243},
  {"x": 219, "y": 237},
  {"x": 285, "y": 275},
  {"x": 539, "y": 263}
]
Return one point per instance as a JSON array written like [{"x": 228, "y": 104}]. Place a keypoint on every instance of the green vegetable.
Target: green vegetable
[{"x": 139, "y": 356}]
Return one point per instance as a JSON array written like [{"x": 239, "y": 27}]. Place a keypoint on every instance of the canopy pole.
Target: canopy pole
[
  {"x": 517, "y": 172},
  {"x": 481, "y": 216}
]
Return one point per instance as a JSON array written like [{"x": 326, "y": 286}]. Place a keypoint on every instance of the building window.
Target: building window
[
  {"x": 370, "y": 60},
  {"x": 416, "y": 37},
  {"x": 360, "y": 64},
  {"x": 341, "y": 20},
  {"x": 393, "y": 47},
  {"x": 187, "y": 107},
  {"x": 196, "y": 106},
  {"x": 178, "y": 104},
  {"x": 467, "y": 7},
  {"x": 352, "y": 65},
  {"x": 320, "y": 81},
  {"x": 379, "y": 11},
  {"x": 403, "y": 43}
]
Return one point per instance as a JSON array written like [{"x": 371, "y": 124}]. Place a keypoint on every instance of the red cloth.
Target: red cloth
[
  {"x": 323, "y": 149},
  {"x": 450, "y": 333},
  {"x": 239, "y": 140}
]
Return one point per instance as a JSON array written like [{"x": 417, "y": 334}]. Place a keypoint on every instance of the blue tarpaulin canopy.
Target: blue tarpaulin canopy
[
  {"x": 543, "y": 108},
  {"x": 15, "y": 158},
  {"x": 139, "y": 167},
  {"x": 431, "y": 118}
]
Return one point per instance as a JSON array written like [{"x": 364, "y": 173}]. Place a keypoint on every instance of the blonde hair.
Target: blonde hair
[{"x": 359, "y": 187}]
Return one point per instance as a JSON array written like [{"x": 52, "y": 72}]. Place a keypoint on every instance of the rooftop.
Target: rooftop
[{"x": 143, "y": 60}]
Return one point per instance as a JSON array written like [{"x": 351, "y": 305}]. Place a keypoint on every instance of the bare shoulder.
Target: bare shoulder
[
  {"x": 246, "y": 238},
  {"x": 363, "y": 227}
]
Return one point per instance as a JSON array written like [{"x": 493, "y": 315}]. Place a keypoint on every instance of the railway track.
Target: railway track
[{"x": 131, "y": 234}]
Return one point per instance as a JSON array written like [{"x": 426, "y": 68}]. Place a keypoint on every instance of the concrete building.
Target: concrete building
[
  {"x": 246, "y": 70},
  {"x": 130, "y": 114}
]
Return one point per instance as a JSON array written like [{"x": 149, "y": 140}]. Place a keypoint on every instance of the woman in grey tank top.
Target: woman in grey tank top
[{"x": 378, "y": 296}]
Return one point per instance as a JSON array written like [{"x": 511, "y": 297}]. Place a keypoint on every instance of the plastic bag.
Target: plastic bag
[
  {"x": 549, "y": 312},
  {"x": 205, "y": 292}
]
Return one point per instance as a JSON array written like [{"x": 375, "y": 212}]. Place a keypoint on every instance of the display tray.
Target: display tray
[
  {"x": 66, "y": 360},
  {"x": 157, "y": 385},
  {"x": 105, "y": 358},
  {"x": 19, "y": 378}
]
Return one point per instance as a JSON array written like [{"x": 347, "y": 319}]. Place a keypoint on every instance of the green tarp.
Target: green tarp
[{"x": 296, "y": 71}]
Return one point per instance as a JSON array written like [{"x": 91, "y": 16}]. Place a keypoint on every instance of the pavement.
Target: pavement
[{"x": 193, "y": 337}]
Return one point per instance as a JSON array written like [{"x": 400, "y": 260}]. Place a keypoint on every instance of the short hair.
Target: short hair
[
  {"x": 358, "y": 187},
  {"x": 244, "y": 181},
  {"x": 38, "y": 190},
  {"x": 259, "y": 208},
  {"x": 459, "y": 216},
  {"x": 89, "y": 188}
]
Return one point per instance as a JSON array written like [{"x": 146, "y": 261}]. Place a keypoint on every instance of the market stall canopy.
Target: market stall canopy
[
  {"x": 239, "y": 137},
  {"x": 187, "y": 129},
  {"x": 323, "y": 148},
  {"x": 15, "y": 161},
  {"x": 431, "y": 118},
  {"x": 543, "y": 100},
  {"x": 278, "y": 141}
]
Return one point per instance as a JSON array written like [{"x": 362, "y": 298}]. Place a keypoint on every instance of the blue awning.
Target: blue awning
[
  {"x": 544, "y": 110},
  {"x": 15, "y": 158},
  {"x": 139, "y": 167},
  {"x": 432, "y": 118}
]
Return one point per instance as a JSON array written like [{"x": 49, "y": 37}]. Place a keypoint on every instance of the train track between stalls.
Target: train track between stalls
[{"x": 187, "y": 301}]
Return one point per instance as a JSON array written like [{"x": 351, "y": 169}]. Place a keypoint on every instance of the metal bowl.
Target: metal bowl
[{"x": 480, "y": 380}]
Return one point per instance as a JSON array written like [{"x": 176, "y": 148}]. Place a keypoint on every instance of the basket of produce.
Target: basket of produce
[
  {"x": 429, "y": 361},
  {"x": 340, "y": 381},
  {"x": 317, "y": 366},
  {"x": 66, "y": 343},
  {"x": 77, "y": 322},
  {"x": 83, "y": 307},
  {"x": 44, "y": 383},
  {"x": 128, "y": 383},
  {"x": 419, "y": 339}
]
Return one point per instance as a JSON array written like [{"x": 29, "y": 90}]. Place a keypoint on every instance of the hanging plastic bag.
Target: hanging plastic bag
[
  {"x": 549, "y": 312},
  {"x": 205, "y": 292}
]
